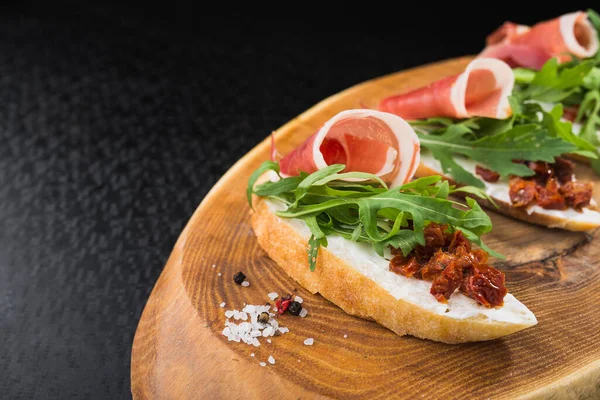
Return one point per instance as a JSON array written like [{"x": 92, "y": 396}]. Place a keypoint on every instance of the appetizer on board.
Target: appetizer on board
[
  {"x": 519, "y": 157},
  {"x": 383, "y": 247}
]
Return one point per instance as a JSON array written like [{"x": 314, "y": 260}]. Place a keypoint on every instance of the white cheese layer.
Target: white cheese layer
[
  {"x": 367, "y": 262},
  {"x": 499, "y": 191}
]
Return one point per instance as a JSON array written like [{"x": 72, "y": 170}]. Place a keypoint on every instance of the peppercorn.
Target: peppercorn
[
  {"x": 263, "y": 318},
  {"x": 283, "y": 303},
  {"x": 239, "y": 278},
  {"x": 294, "y": 308}
]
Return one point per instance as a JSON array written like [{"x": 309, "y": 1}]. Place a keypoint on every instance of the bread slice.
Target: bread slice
[
  {"x": 352, "y": 276},
  {"x": 568, "y": 219}
]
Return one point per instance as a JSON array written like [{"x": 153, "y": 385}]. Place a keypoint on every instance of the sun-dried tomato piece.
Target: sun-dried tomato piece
[
  {"x": 542, "y": 170},
  {"x": 446, "y": 283},
  {"x": 487, "y": 174},
  {"x": 452, "y": 265},
  {"x": 549, "y": 197},
  {"x": 404, "y": 266},
  {"x": 436, "y": 265},
  {"x": 563, "y": 169},
  {"x": 435, "y": 237},
  {"x": 577, "y": 194},
  {"x": 522, "y": 192},
  {"x": 459, "y": 240},
  {"x": 479, "y": 256},
  {"x": 486, "y": 286}
]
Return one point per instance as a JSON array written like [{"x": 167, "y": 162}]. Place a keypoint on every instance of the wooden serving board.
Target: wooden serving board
[{"x": 180, "y": 353}]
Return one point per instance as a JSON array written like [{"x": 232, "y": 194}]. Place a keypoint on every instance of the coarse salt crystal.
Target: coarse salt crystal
[
  {"x": 345, "y": 336},
  {"x": 268, "y": 340},
  {"x": 298, "y": 299},
  {"x": 309, "y": 341},
  {"x": 249, "y": 331},
  {"x": 263, "y": 364},
  {"x": 219, "y": 274},
  {"x": 222, "y": 305},
  {"x": 252, "y": 355},
  {"x": 273, "y": 295},
  {"x": 213, "y": 265},
  {"x": 271, "y": 360},
  {"x": 268, "y": 331},
  {"x": 245, "y": 283},
  {"x": 283, "y": 330},
  {"x": 303, "y": 312}
]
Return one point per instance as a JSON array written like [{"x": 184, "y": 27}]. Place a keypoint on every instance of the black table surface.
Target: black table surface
[{"x": 116, "y": 121}]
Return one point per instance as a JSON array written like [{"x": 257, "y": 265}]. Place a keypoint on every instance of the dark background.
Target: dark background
[{"x": 116, "y": 120}]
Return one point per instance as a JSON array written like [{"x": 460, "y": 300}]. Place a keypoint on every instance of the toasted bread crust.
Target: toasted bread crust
[
  {"x": 358, "y": 295},
  {"x": 517, "y": 213}
]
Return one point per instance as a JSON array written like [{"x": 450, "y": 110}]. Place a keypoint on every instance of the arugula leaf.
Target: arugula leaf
[
  {"x": 350, "y": 175},
  {"x": 475, "y": 191},
  {"x": 523, "y": 75},
  {"x": 278, "y": 187},
  {"x": 523, "y": 142},
  {"x": 553, "y": 84},
  {"x": 264, "y": 167},
  {"x": 302, "y": 188},
  {"x": 564, "y": 130},
  {"x": 454, "y": 169},
  {"x": 313, "y": 251},
  {"x": 592, "y": 79},
  {"x": 590, "y": 110}
]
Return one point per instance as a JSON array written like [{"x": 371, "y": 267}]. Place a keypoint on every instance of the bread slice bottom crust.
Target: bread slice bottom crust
[{"x": 358, "y": 295}]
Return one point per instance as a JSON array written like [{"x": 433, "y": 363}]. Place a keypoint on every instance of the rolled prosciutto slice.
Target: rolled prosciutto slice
[
  {"x": 569, "y": 35},
  {"x": 482, "y": 90},
  {"x": 365, "y": 141}
]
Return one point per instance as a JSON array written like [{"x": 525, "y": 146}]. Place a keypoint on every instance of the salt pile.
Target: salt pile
[{"x": 249, "y": 331}]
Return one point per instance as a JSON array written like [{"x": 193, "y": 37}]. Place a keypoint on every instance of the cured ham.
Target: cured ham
[
  {"x": 563, "y": 37},
  {"x": 482, "y": 90},
  {"x": 365, "y": 141}
]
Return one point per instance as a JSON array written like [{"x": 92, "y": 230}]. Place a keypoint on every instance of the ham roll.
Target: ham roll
[
  {"x": 482, "y": 90},
  {"x": 563, "y": 37},
  {"x": 364, "y": 141}
]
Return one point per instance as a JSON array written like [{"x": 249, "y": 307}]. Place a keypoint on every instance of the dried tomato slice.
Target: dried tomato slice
[
  {"x": 487, "y": 174},
  {"x": 436, "y": 265},
  {"x": 459, "y": 240},
  {"x": 563, "y": 169},
  {"x": 452, "y": 265},
  {"x": 542, "y": 170},
  {"x": 549, "y": 197},
  {"x": 446, "y": 283},
  {"x": 577, "y": 194},
  {"x": 404, "y": 266},
  {"x": 522, "y": 192},
  {"x": 486, "y": 286}
]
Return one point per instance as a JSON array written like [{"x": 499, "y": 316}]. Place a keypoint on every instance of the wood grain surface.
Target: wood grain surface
[{"x": 180, "y": 353}]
